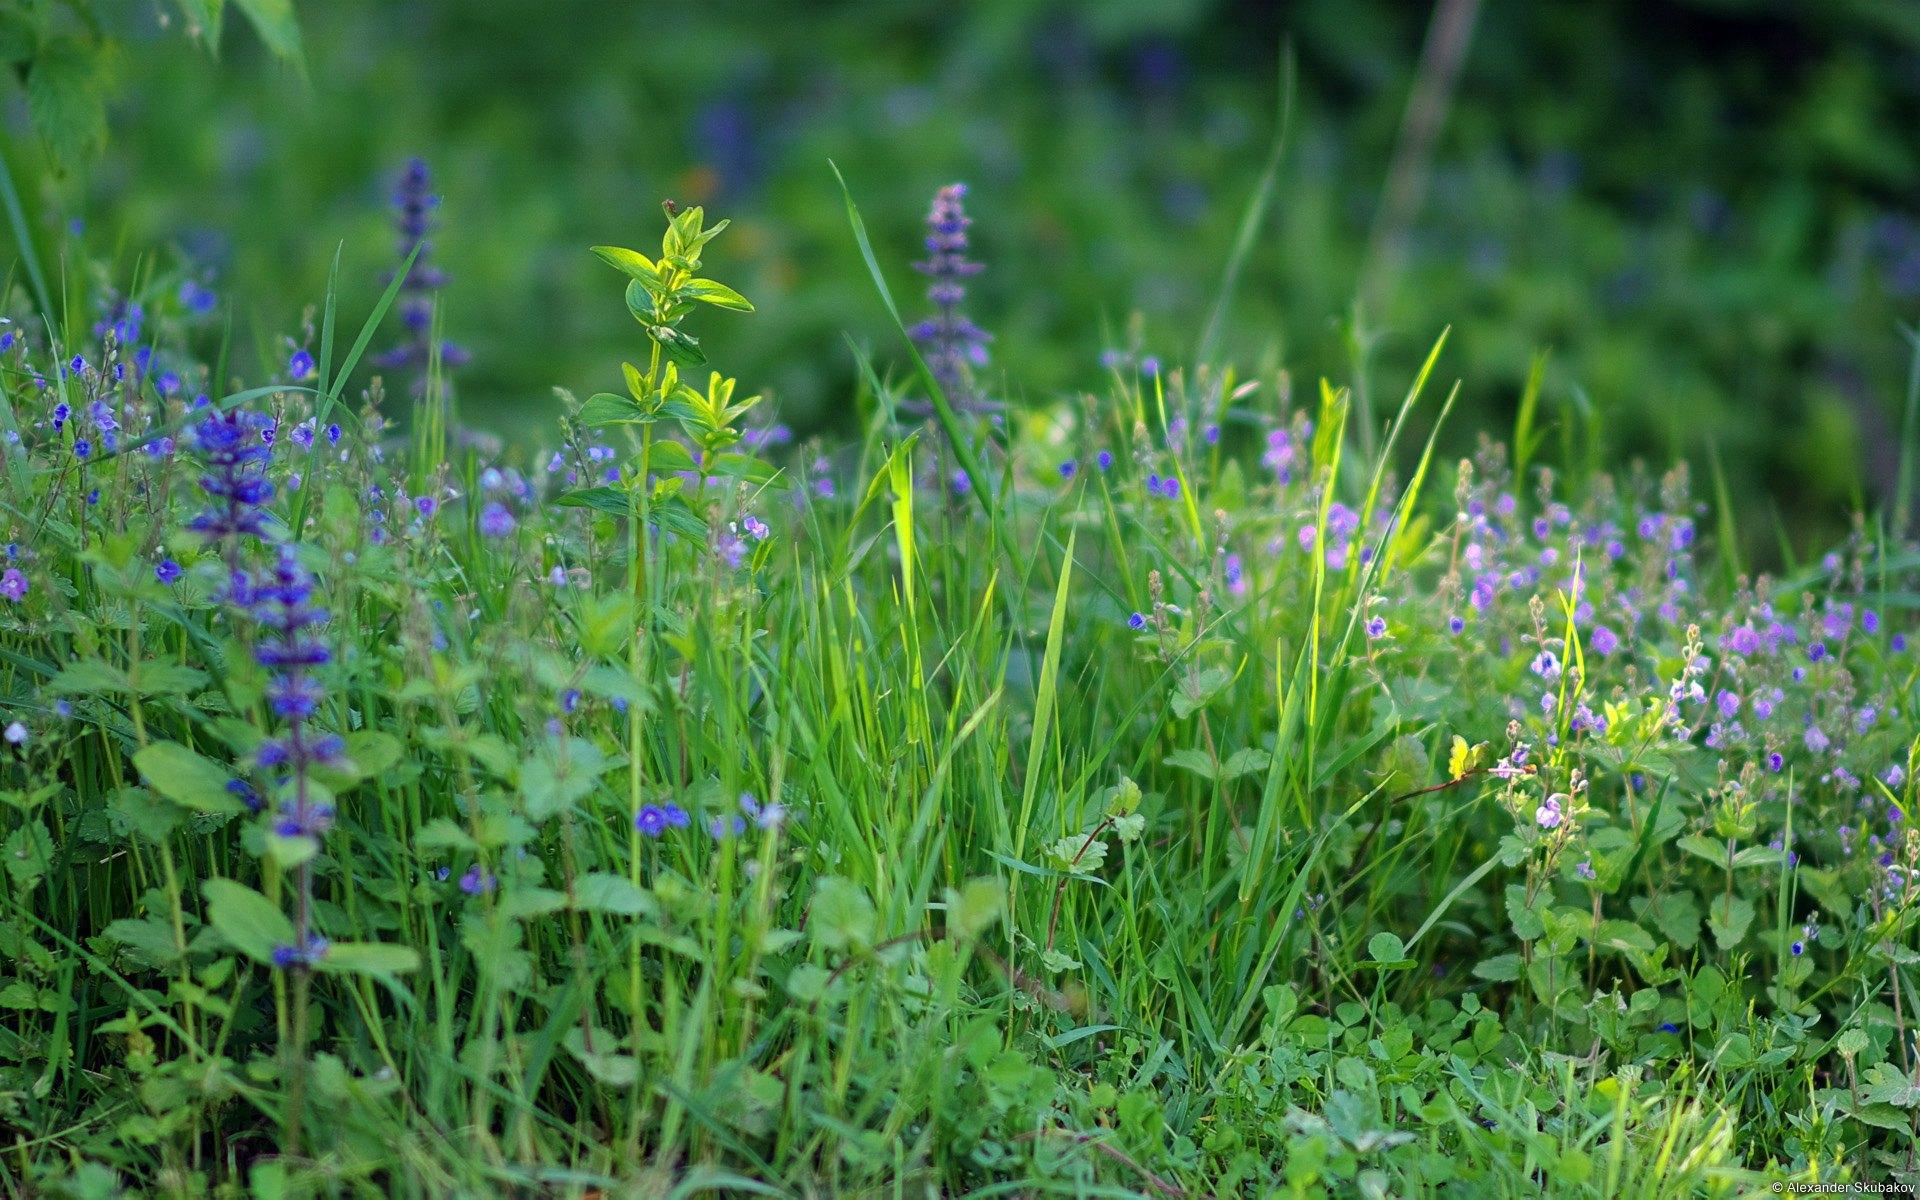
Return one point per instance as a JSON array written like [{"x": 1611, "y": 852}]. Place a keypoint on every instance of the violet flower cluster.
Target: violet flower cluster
[
  {"x": 950, "y": 341},
  {"x": 413, "y": 203}
]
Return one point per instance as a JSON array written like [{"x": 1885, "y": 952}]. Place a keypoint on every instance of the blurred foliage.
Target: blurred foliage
[{"x": 1704, "y": 209}]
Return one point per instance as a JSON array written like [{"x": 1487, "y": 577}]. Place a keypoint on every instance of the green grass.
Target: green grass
[{"x": 1122, "y": 856}]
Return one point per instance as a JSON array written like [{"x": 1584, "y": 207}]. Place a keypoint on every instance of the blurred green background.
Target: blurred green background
[{"x": 1705, "y": 209}]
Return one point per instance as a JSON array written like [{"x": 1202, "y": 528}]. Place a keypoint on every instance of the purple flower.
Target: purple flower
[
  {"x": 655, "y": 819},
  {"x": 1549, "y": 814},
  {"x": 413, "y": 203},
  {"x": 1068, "y": 469},
  {"x": 478, "y": 881},
  {"x": 1603, "y": 641},
  {"x": 495, "y": 520},
  {"x": 1376, "y": 627},
  {"x": 13, "y": 585},
  {"x": 1104, "y": 460},
  {"x": 951, "y": 342},
  {"x": 288, "y": 957},
  {"x": 234, "y": 446},
  {"x": 167, "y": 571},
  {"x": 300, "y": 366},
  {"x": 1136, "y": 621}
]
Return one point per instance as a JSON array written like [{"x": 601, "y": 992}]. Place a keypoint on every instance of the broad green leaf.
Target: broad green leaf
[
  {"x": 248, "y": 921},
  {"x": 611, "y": 408},
  {"x": 368, "y": 958},
  {"x": 841, "y": 915},
  {"x": 717, "y": 294},
  {"x": 187, "y": 778},
  {"x": 603, "y": 891},
  {"x": 632, "y": 262}
]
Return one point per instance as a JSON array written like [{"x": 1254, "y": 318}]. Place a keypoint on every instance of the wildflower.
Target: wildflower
[
  {"x": 13, "y": 585},
  {"x": 755, "y": 527},
  {"x": 1549, "y": 814},
  {"x": 1376, "y": 627},
  {"x": 951, "y": 341},
  {"x": 413, "y": 203},
  {"x": 478, "y": 881},
  {"x": 16, "y": 733},
  {"x": 1136, "y": 621},
  {"x": 1603, "y": 641},
  {"x": 311, "y": 951},
  {"x": 235, "y": 448},
  {"x": 300, "y": 366},
  {"x": 495, "y": 520},
  {"x": 167, "y": 571},
  {"x": 764, "y": 816},
  {"x": 197, "y": 299},
  {"x": 1104, "y": 460},
  {"x": 1068, "y": 469},
  {"x": 655, "y": 819}
]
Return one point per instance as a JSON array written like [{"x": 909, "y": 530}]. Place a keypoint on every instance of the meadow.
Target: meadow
[{"x": 1189, "y": 785}]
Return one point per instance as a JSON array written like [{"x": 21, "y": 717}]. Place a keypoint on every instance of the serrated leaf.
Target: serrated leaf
[
  {"x": 841, "y": 915},
  {"x": 603, "y": 891},
  {"x": 1729, "y": 919},
  {"x": 1501, "y": 968}
]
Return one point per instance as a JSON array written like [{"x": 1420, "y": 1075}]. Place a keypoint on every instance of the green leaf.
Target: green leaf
[
  {"x": 613, "y": 501},
  {"x": 274, "y": 21},
  {"x": 1386, "y": 948},
  {"x": 665, "y": 457},
  {"x": 841, "y": 914},
  {"x": 673, "y": 515},
  {"x": 368, "y": 958},
  {"x": 1728, "y": 918},
  {"x": 611, "y": 408},
  {"x": 632, "y": 262},
  {"x": 248, "y": 921},
  {"x": 1193, "y": 760},
  {"x": 717, "y": 294},
  {"x": 1705, "y": 848},
  {"x": 603, "y": 1061},
  {"x": 66, "y": 98},
  {"x": 1526, "y": 919},
  {"x": 1501, "y": 968},
  {"x": 28, "y": 852},
  {"x": 603, "y": 891},
  {"x": 148, "y": 940},
  {"x": 88, "y": 677},
  {"x": 976, "y": 906},
  {"x": 187, "y": 778}
]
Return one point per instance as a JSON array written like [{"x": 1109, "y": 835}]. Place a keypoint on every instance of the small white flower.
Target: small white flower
[{"x": 17, "y": 733}]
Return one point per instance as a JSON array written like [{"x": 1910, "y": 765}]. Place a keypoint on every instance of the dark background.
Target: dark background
[{"x": 1704, "y": 209}]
